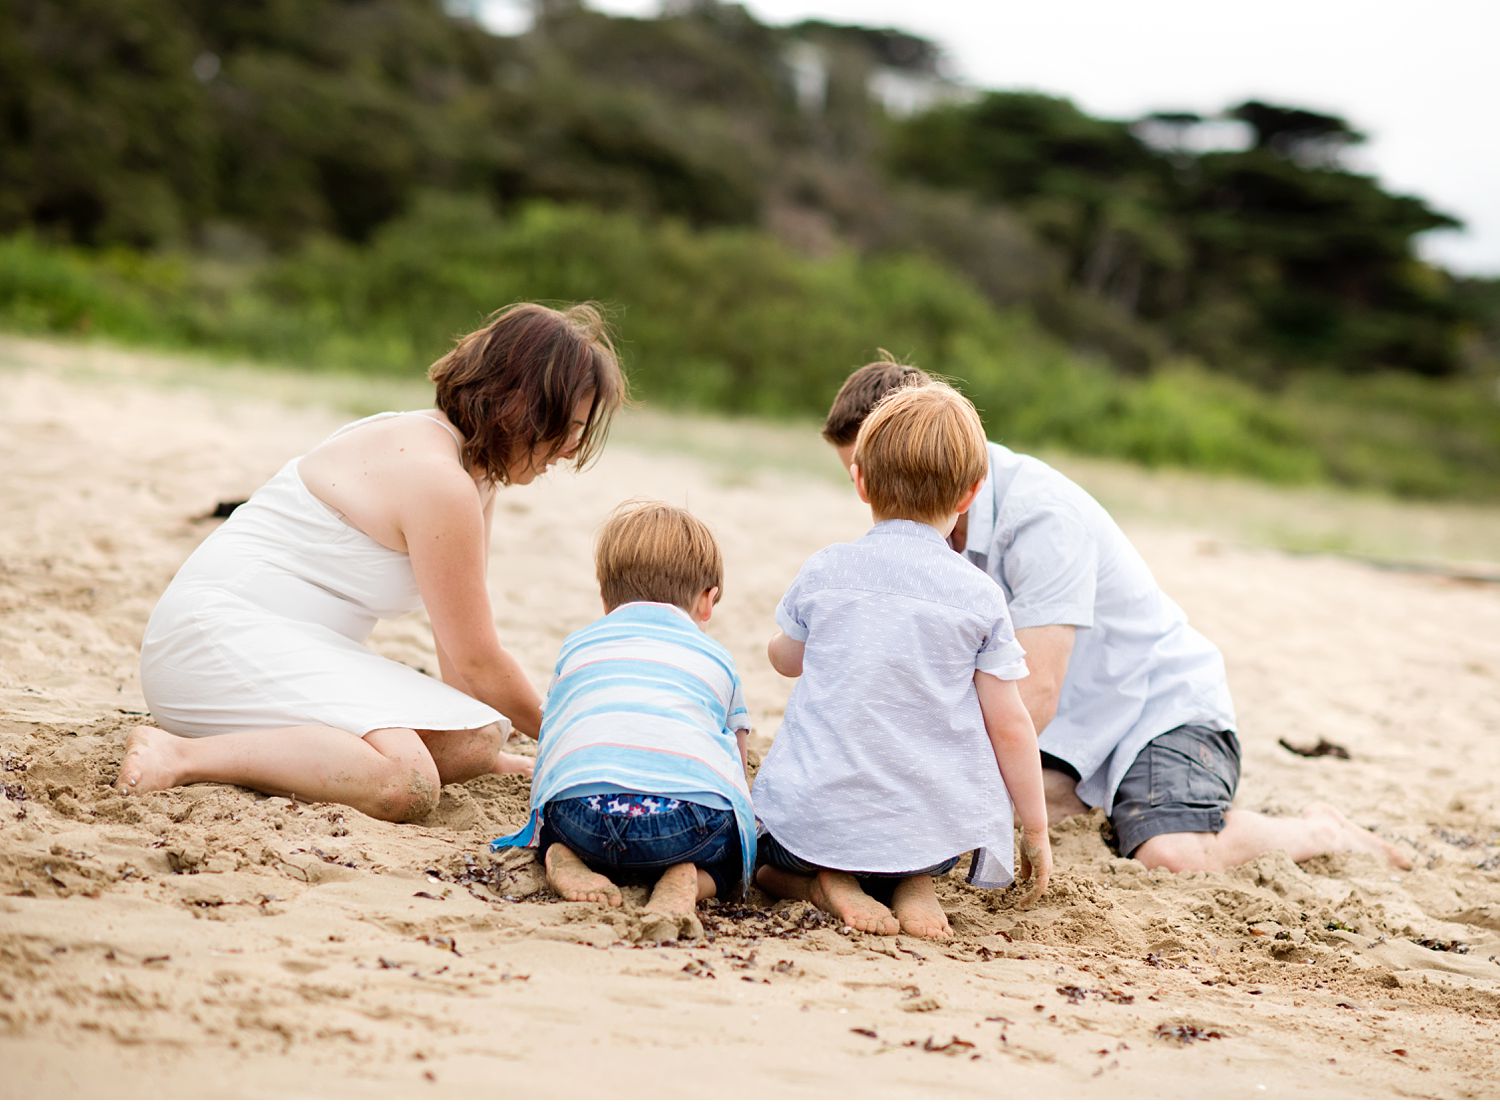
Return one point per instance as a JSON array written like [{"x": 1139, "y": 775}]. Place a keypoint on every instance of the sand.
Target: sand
[{"x": 212, "y": 942}]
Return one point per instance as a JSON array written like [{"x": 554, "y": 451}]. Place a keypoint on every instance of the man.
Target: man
[{"x": 1131, "y": 704}]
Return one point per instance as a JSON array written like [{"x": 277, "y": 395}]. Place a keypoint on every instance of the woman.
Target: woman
[{"x": 253, "y": 662}]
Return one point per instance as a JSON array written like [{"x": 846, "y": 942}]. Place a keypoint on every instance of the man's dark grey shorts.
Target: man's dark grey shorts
[{"x": 1182, "y": 781}]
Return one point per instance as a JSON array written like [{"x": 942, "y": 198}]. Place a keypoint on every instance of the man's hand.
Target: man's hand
[{"x": 1036, "y": 863}]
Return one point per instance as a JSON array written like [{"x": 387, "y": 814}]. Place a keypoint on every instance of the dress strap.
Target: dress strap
[
  {"x": 344, "y": 429},
  {"x": 439, "y": 422}
]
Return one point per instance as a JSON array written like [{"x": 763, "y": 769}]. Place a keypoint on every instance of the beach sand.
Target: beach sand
[{"x": 212, "y": 942}]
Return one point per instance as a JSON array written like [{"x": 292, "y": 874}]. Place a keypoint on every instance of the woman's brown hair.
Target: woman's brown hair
[{"x": 512, "y": 385}]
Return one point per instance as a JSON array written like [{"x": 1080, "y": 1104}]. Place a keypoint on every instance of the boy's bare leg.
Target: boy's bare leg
[
  {"x": 916, "y": 908},
  {"x": 784, "y": 884},
  {"x": 671, "y": 913},
  {"x": 388, "y": 773},
  {"x": 575, "y": 881},
  {"x": 1321, "y": 830},
  {"x": 839, "y": 893},
  {"x": 1062, "y": 796},
  {"x": 679, "y": 890},
  {"x": 470, "y": 752}
]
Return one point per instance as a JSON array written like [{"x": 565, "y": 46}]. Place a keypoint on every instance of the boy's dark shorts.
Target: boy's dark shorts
[
  {"x": 1182, "y": 781},
  {"x": 638, "y": 849},
  {"x": 770, "y": 852}
]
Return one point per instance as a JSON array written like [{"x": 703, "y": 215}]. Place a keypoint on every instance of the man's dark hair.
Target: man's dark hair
[{"x": 862, "y": 391}]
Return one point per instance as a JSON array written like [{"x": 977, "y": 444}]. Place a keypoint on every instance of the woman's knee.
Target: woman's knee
[
  {"x": 462, "y": 755},
  {"x": 408, "y": 786},
  {"x": 408, "y": 792}
]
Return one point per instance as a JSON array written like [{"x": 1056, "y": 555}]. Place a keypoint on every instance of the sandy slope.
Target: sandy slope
[{"x": 209, "y": 941}]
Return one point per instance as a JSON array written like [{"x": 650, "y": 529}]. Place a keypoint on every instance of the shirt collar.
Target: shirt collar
[
  {"x": 982, "y": 515},
  {"x": 908, "y": 528},
  {"x": 667, "y": 609}
]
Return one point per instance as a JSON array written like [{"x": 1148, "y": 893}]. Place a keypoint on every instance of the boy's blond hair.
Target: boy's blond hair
[
  {"x": 920, "y": 451},
  {"x": 653, "y": 551}
]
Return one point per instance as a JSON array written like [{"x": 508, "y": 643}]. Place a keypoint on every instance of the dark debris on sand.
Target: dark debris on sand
[{"x": 735, "y": 920}]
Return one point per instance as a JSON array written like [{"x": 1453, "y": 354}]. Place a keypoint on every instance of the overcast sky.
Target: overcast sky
[{"x": 1422, "y": 80}]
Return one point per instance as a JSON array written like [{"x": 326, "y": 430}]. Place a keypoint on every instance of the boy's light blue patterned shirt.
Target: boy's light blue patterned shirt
[
  {"x": 644, "y": 702},
  {"x": 883, "y": 763}
]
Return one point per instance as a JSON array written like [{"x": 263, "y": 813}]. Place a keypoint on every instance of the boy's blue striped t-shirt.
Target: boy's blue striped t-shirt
[{"x": 644, "y": 702}]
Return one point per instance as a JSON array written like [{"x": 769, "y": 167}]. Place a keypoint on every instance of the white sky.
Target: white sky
[{"x": 1421, "y": 80}]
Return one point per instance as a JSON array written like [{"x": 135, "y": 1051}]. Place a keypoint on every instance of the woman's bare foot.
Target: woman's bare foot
[
  {"x": 574, "y": 881},
  {"x": 508, "y": 762},
  {"x": 152, "y": 761},
  {"x": 839, "y": 893},
  {"x": 916, "y": 908},
  {"x": 1349, "y": 837}
]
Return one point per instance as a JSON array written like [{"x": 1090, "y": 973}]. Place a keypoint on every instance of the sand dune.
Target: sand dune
[{"x": 209, "y": 941}]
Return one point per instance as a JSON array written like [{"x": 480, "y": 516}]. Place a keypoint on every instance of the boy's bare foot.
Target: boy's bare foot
[
  {"x": 508, "y": 762},
  {"x": 574, "y": 881},
  {"x": 916, "y": 908},
  {"x": 671, "y": 911},
  {"x": 152, "y": 761},
  {"x": 1349, "y": 837},
  {"x": 839, "y": 893}
]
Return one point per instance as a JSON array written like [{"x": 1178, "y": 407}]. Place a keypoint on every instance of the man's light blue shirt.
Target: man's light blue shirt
[{"x": 1138, "y": 669}]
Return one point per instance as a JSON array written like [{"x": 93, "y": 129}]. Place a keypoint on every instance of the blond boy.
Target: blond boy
[
  {"x": 640, "y": 772},
  {"x": 905, "y": 741}
]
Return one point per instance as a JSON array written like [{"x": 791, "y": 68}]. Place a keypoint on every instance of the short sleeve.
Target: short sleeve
[
  {"x": 1000, "y": 654},
  {"x": 788, "y": 613},
  {"x": 1051, "y": 567},
  {"x": 739, "y": 715}
]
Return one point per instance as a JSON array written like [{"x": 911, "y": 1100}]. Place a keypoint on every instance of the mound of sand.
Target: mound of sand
[{"x": 209, "y": 941}]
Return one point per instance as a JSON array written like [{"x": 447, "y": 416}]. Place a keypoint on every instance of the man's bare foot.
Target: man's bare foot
[
  {"x": 151, "y": 761},
  {"x": 508, "y": 762},
  {"x": 916, "y": 908},
  {"x": 1350, "y": 837},
  {"x": 574, "y": 881},
  {"x": 839, "y": 893}
]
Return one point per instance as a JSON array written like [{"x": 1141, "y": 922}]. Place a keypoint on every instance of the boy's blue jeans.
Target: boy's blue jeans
[{"x": 638, "y": 848}]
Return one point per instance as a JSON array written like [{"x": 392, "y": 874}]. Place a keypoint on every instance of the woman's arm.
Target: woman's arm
[{"x": 444, "y": 525}]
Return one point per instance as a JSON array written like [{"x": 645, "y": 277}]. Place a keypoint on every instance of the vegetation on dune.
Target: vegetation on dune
[{"x": 350, "y": 184}]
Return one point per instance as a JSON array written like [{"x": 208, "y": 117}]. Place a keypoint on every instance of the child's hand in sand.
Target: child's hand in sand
[{"x": 1036, "y": 862}]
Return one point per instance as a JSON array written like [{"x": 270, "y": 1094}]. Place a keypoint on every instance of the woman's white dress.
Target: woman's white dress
[{"x": 264, "y": 627}]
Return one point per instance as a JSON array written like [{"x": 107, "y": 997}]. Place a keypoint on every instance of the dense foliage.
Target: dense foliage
[{"x": 351, "y": 182}]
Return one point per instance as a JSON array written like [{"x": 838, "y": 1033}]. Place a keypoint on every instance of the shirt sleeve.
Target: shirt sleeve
[
  {"x": 1051, "y": 567},
  {"x": 1000, "y": 654},
  {"x": 739, "y": 715},
  {"x": 789, "y": 613}
]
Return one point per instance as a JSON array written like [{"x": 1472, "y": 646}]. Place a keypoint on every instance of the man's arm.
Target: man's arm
[{"x": 1048, "y": 650}]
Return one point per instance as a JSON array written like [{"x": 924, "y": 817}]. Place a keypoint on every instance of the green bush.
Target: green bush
[{"x": 732, "y": 321}]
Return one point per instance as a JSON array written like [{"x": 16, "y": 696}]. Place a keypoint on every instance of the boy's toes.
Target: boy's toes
[
  {"x": 931, "y": 929},
  {"x": 884, "y": 925}
]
